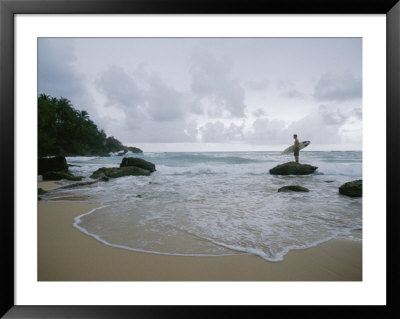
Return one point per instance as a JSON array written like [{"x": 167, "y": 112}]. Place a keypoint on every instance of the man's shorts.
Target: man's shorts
[{"x": 296, "y": 151}]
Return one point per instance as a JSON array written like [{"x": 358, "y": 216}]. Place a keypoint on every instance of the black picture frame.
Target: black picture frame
[{"x": 9, "y": 8}]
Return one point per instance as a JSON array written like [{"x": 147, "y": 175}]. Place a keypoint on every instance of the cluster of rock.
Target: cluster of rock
[
  {"x": 130, "y": 166},
  {"x": 56, "y": 168},
  {"x": 352, "y": 189}
]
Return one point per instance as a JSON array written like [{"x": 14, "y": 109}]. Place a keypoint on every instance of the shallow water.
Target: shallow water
[{"x": 225, "y": 203}]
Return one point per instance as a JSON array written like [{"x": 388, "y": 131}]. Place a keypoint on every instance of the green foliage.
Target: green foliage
[
  {"x": 64, "y": 131},
  {"x": 113, "y": 144}
]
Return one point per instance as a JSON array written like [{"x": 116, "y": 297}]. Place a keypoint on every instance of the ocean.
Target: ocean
[{"x": 219, "y": 203}]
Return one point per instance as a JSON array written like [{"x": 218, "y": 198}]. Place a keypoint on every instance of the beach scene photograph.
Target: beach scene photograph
[{"x": 199, "y": 159}]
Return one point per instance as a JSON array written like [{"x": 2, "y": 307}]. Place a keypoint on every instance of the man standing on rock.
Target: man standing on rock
[{"x": 296, "y": 148}]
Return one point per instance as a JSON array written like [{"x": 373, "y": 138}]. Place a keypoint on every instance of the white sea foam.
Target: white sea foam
[{"x": 211, "y": 204}]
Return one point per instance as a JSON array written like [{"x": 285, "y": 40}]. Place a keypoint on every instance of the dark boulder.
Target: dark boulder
[
  {"x": 352, "y": 189},
  {"x": 293, "y": 188},
  {"x": 55, "y": 164},
  {"x": 41, "y": 191},
  {"x": 293, "y": 168},
  {"x": 57, "y": 175},
  {"x": 134, "y": 149},
  {"x": 114, "y": 172},
  {"x": 138, "y": 162}
]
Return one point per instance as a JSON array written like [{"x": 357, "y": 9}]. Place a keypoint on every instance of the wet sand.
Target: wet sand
[{"x": 66, "y": 254}]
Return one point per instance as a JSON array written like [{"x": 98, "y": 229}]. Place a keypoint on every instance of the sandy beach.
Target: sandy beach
[{"x": 66, "y": 254}]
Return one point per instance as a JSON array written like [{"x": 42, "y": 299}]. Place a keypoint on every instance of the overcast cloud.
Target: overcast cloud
[{"x": 247, "y": 91}]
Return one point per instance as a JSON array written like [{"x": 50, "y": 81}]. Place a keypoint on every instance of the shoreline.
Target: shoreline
[{"x": 67, "y": 254}]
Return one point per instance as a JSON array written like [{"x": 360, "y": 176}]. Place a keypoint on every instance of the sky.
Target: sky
[{"x": 210, "y": 94}]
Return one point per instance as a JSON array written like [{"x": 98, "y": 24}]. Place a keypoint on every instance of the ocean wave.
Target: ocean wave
[
  {"x": 194, "y": 158},
  {"x": 82, "y": 159},
  {"x": 203, "y": 168},
  {"x": 273, "y": 251},
  {"x": 214, "y": 204}
]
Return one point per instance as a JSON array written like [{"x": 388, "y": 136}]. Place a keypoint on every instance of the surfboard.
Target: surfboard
[{"x": 290, "y": 149}]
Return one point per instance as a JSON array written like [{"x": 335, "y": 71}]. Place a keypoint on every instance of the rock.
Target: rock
[
  {"x": 78, "y": 184},
  {"x": 352, "y": 189},
  {"x": 52, "y": 164},
  {"x": 138, "y": 162},
  {"x": 293, "y": 188},
  {"x": 57, "y": 175},
  {"x": 292, "y": 168},
  {"x": 122, "y": 153},
  {"x": 99, "y": 175},
  {"x": 41, "y": 191},
  {"x": 134, "y": 149},
  {"x": 114, "y": 172}
]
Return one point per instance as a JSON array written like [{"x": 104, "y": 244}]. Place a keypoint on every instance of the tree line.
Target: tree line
[{"x": 65, "y": 131}]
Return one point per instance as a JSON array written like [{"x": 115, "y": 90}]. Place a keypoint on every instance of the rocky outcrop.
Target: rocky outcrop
[
  {"x": 293, "y": 188},
  {"x": 83, "y": 183},
  {"x": 52, "y": 164},
  {"x": 130, "y": 166},
  {"x": 352, "y": 189},
  {"x": 293, "y": 168},
  {"x": 58, "y": 175},
  {"x": 134, "y": 149},
  {"x": 131, "y": 149},
  {"x": 114, "y": 172},
  {"x": 55, "y": 169},
  {"x": 138, "y": 162}
]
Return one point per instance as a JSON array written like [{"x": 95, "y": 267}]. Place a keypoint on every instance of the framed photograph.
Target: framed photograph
[{"x": 173, "y": 153}]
